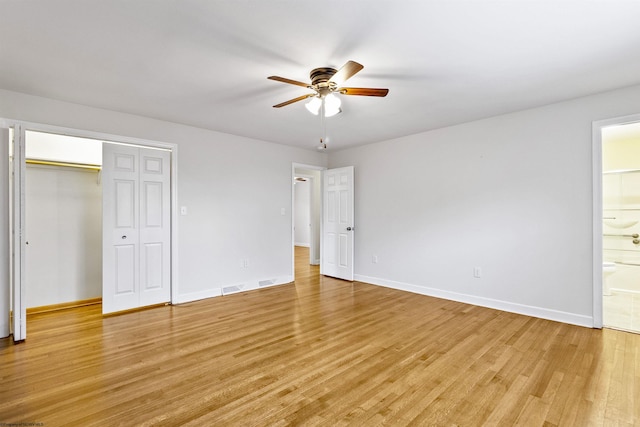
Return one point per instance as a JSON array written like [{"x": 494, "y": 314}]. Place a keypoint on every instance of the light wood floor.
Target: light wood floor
[{"x": 318, "y": 352}]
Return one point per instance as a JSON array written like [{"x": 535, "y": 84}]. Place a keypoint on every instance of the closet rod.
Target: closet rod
[{"x": 66, "y": 164}]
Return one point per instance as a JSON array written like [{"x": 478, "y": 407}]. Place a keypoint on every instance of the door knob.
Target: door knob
[
  {"x": 124, "y": 237},
  {"x": 636, "y": 241},
  {"x": 349, "y": 228}
]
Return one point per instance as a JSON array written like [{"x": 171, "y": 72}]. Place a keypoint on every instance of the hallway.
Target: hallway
[{"x": 304, "y": 270}]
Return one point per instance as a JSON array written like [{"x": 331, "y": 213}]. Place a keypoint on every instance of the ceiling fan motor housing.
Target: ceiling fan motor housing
[{"x": 320, "y": 80}]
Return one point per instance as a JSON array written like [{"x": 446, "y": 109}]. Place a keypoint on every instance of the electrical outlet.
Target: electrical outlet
[
  {"x": 477, "y": 272},
  {"x": 374, "y": 259},
  {"x": 246, "y": 263}
]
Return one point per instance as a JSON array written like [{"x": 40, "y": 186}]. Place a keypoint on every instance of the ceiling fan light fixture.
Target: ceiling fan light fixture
[
  {"x": 314, "y": 105},
  {"x": 331, "y": 105}
]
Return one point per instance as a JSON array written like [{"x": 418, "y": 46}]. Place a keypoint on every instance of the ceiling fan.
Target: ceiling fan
[{"x": 326, "y": 82}]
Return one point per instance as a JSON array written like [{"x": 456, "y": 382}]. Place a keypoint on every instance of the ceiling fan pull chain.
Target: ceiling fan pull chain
[
  {"x": 323, "y": 129},
  {"x": 323, "y": 122}
]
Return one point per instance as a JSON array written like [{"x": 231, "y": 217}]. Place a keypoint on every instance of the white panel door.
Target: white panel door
[
  {"x": 120, "y": 241},
  {"x": 18, "y": 243},
  {"x": 155, "y": 227},
  {"x": 136, "y": 227},
  {"x": 337, "y": 223}
]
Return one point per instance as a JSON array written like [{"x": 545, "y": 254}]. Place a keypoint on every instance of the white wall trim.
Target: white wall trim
[
  {"x": 61, "y": 130},
  {"x": 5, "y": 234},
  {"x": 596, "y": 148},
  {"x": 597, "y": 224},
  {"x": 527, "y": 310}
]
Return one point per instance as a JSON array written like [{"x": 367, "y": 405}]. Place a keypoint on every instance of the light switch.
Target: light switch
[{"x": 282, "y": 211}]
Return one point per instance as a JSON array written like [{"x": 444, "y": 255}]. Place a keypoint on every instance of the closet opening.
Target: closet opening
[
  {"x": 63, "y": 221},
  {"x": 97, "y": 224}
]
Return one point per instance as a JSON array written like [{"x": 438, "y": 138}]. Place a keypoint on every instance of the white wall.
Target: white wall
[
  {"x": 64, "y": 231},
  {"x": 302, "y": 213},
  {"x": 234, "y": 189},
  {"x": 510, "y": 194}
]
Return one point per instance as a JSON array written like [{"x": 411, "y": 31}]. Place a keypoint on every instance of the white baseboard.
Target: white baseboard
[
  {"x": 239, "y": 287},
  {"x": 543, "y": 313}
]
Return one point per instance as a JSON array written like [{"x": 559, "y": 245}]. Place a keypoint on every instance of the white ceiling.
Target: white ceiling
[{"x": 205, "y": 62}]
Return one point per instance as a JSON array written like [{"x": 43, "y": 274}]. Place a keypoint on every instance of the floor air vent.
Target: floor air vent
[
  {"x": 264, "y": 283},
  {"x": 232, "y": 289}
]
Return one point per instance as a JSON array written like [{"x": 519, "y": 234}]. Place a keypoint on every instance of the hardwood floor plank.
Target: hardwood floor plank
[{"x": 319, "y": 351}]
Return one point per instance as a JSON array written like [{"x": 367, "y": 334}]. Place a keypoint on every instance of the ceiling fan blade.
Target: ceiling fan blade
[
  {"x": 363, "y": 91},
  {"x": 291, "y": 101},
  {"x": 291, "y": 82},
  {"x": 347, "y": 71}
]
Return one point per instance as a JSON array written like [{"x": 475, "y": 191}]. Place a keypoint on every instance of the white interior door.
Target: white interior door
[
  {"x": 155, "y": 227},
  {"x": 5, "y": 257},
  {"x": 337, "y": 223},
  {"x": 17, "y": 165},
  {"x": 136, "y": 227}
]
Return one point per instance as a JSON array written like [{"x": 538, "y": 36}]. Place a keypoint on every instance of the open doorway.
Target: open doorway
[
  {"x": 621, "y": 226},
  {"x": 306, "y": 216},
  {"x": 332, "y": 219}
]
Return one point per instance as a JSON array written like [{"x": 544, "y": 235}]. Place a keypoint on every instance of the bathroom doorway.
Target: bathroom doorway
[{"x": 621, "y": 226}]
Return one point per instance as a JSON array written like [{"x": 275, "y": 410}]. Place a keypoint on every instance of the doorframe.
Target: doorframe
[
  {"x": 15, "y": 211},
  {"x": 17, "y": 196},
  {"x": 5, "y": 234},
  {"x": 597, "y": 245},
  {"x": 295, "y": 166}
]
